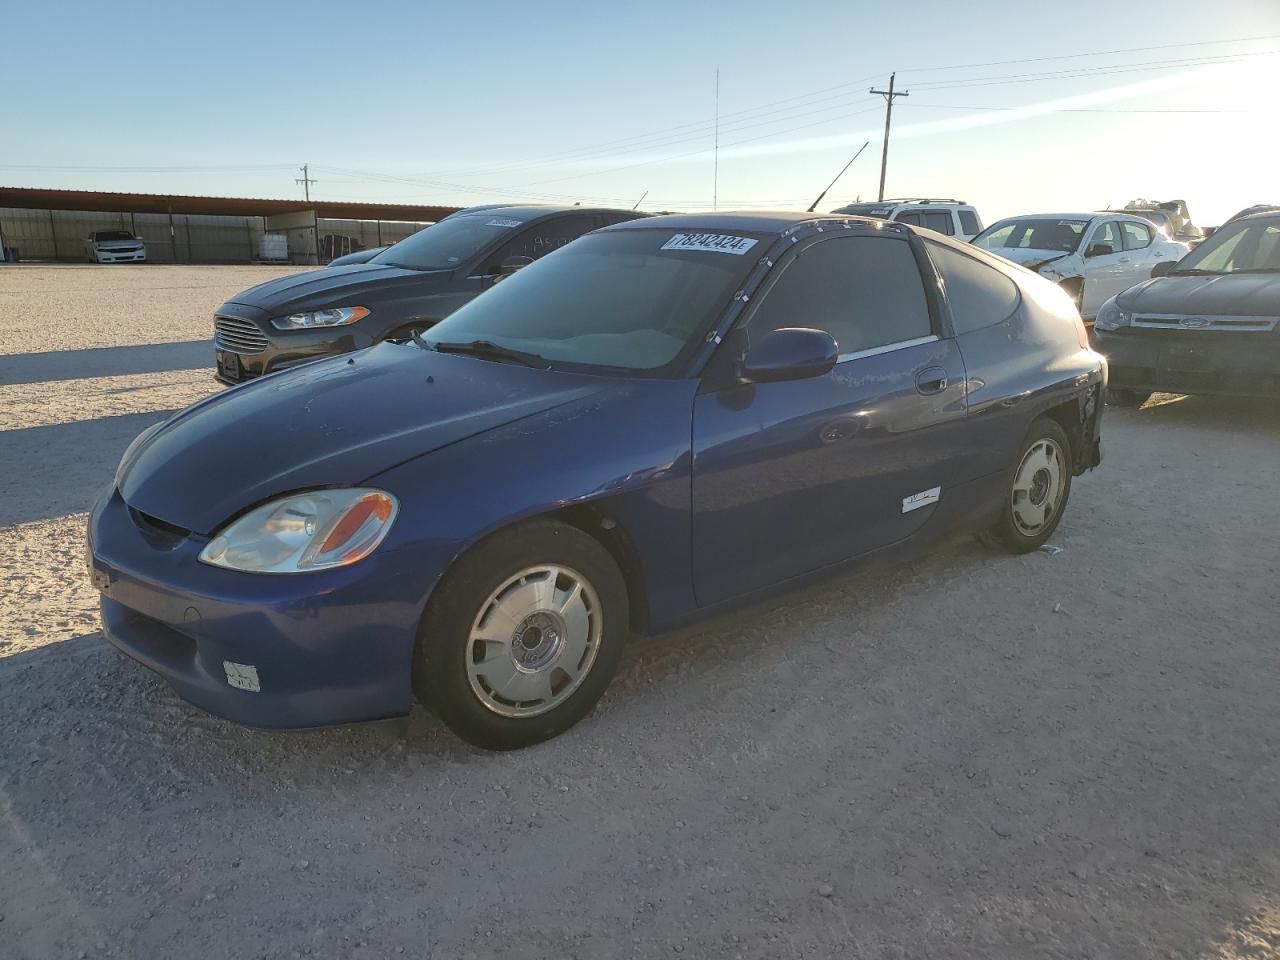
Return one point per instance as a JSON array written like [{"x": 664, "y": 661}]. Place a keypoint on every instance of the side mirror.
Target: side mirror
[
  {"x": 792, "y": 353},
  {"x": 1163, "y": 268},
  {"x": 1099, "y": 250},
  {"x": 512, "y": 264}
]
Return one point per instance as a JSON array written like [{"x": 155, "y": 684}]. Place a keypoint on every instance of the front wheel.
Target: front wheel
[
  {"x": 1038, "y": 489},
  {"x": 523, "y": 636}
]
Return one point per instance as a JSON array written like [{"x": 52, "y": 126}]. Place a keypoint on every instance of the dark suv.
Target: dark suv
[{"x": 409, "y": 286}]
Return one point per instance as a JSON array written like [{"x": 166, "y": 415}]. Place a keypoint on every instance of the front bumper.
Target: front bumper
[
  {"x": 1218, "y": 362},
  {"x": 287, "y": 349},
  {"x": 320, "y": 648},
  {"x": 121, "y": 256}
]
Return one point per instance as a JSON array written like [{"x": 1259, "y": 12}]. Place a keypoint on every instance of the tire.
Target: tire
[
  {"x": 1120, "y": 397},
  {"x": 508, "y": 653},
  {"x": 1042, "y": 475}
]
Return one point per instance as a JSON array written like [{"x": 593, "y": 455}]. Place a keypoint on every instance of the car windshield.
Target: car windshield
[
  {"x": 113, "y": 235},
  {"x": 1049, "y": 233},
  {"x": 1242, "y": 246},
  {"x": 625, "y": 301},
  {"x": 445, "y": 245}
]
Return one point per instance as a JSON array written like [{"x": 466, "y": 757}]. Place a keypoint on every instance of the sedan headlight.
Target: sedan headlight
[
  {"x": 337, "y": 317},
  {"x": 304, "y": 532},
  {"x": 1111, "y": 317}
]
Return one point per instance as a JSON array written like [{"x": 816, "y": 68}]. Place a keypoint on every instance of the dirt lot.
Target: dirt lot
[{"x": 970, "y": 755}]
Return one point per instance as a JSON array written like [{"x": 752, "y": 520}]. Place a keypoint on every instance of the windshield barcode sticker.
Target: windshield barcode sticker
[
  {"x": 712, "y": 242},
  {"x": 500, "y": 222}
]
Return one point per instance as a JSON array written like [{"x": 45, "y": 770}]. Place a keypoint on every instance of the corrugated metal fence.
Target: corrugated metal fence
[{"x": 182, "y": 238}]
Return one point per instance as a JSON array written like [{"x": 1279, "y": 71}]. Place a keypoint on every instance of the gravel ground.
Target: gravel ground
[{"x": 969, "y": 755}]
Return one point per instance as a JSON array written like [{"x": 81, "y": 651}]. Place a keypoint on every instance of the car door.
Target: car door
[
  {"x": 1106, "y": 266},
  {"x": 792, "y": 476}
]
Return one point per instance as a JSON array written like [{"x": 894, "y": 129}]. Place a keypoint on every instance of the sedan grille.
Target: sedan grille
[
  {"x": 1174, "y": 321},
  {"x": 238, "y": 336}
]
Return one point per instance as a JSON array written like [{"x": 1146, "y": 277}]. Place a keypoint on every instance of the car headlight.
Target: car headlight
[
  {"x": 1111, "y": 317},
  {"x": 336, "y": 317},
  {"x": 305, "y": 532}
]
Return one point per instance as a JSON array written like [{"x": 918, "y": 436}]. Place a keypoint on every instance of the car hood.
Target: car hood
[
  {"x": 319, "y": 289},
  {"x": 1231, "y": 295},
  {"x": 1029, "y": 257},
  {"x": 330, "y": 423}
]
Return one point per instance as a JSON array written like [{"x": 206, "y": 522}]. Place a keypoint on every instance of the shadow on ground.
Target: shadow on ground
[{"x": 105, "y": 361}]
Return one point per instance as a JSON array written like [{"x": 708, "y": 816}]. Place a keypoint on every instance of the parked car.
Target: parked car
[
  {"x": 955, "y": 218},
  {"x": 357, "y": 256},
  {"x": 405, "y": 288},
  {"x": 1256, "y": 208},
  {"x": 1092, "y": 256},
  {"x": 666, "y": 418},
  {"x": 1171, "y": 217},
  {"x": 1206, "y": 324},
  {"x": 114, "y": 246}
]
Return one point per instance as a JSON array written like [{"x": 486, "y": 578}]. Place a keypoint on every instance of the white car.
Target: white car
[
  {"x": 1093, "y": 256},
  {"x": 955, "y": 218},
  {"x": 115, "y": 246}
]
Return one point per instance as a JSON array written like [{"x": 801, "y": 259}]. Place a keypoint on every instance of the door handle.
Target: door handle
[{"x": 931, "y": 380}]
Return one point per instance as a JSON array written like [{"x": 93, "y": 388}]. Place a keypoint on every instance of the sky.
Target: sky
[{"x": 1017, "y": 107}]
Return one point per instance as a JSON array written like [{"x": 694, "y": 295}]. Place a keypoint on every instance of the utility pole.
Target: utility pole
[
  {"x": 306, "y": 181},
  {"x": 888, "y": 117}
]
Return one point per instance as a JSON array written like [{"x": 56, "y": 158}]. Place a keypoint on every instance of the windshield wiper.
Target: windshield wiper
[{"x": 492, "y": 351}]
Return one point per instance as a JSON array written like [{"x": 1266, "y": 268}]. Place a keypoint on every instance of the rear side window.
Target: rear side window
[
  {"x": 864, "y": 291},
  {"x": 1136, "y": 235},
  {"x": 940, "y": 222},
  {"x": 968, "y": 222},
  {"x": 979, "y": 295},
  {"x": 911, "y": 218}
]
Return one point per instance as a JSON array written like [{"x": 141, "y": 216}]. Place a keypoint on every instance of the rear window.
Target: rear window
[{"x": 979, "y": 295}]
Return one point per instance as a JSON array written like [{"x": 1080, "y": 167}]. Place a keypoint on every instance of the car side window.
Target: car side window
[
  {"x": 1136, "y": 235},
  {"x": 911, "y": 218},
  {"x": 1107, "y": 234},
  {"x": 940, "y": 222},
  {"x": 969, "y": 222},
  {"x": 979, "y": 295},
  {"x": 864, "y": 291},
  {"x": 541, "y": 238}
]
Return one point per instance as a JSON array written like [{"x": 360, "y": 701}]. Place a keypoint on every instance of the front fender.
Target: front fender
[{"x": 624, "y": 450}]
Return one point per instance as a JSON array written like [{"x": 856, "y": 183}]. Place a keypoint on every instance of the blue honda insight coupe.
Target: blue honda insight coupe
[{"x": 662, "y": 419}]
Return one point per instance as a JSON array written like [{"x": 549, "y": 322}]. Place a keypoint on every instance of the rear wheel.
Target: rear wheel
[
  {"x": 523, "y": 636},
  {"x": 1120, "y": 397},
  {"x": 1038, "y": 489}
]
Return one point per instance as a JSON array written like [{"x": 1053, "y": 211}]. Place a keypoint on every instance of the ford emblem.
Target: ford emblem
[{"x": 1194, "y": 323}]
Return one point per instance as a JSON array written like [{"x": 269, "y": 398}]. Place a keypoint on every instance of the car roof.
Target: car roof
[
  {"x": 750, "y": 221},
  {"x": 533, "y": 211}
]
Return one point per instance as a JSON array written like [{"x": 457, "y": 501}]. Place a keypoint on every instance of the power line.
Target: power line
[{"x": 956, "y": 106}]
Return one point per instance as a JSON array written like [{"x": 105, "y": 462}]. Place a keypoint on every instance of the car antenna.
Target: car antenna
[
  {"x": 815, "y": 203},
  {"x": 641, "y": 200}
]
